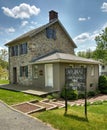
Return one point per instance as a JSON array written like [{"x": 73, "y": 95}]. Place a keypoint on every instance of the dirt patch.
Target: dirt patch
[{"x": 26, "y": 107}]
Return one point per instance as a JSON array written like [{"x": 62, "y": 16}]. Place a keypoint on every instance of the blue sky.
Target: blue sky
[{"x": 83, "y": 19}]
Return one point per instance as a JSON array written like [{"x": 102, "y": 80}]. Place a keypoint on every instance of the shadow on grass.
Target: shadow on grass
[{"x": 76, "y": 117}]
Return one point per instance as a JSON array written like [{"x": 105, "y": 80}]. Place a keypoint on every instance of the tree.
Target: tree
[
  {"x": 3, "y": 54},
  {"x": 86, "y": 54},
  {"x": 3, "y": 64},
  {"x": 3, "y": 58},
  {"x": 101, "y": 49}
]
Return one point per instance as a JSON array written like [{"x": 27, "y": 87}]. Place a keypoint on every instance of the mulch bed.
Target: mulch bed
[{"x": 26, "y": 107}]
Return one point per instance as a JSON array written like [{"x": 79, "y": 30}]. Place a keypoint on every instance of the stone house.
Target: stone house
[{"x": 39, "y": 57}]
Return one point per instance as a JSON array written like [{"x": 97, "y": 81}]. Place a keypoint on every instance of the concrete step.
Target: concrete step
[
  {"x": 36, "y": 106},
  {"x": 48, "y": 106}
]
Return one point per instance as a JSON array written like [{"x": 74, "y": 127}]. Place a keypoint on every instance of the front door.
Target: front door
[
  {"x": 14, "y": 75},
  {"x": 49, "y": 75}
]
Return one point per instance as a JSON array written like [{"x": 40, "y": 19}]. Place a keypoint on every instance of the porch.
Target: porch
[{"x": 28, "y": 89}]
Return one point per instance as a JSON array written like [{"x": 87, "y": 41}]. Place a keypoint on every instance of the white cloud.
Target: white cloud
[
  {"x": 82, "y": 37},
  {"x": 24, "y": 23},
  {"x": 104, "y": 7},
  {"x": 97, "y": 32},
  {"x": 22, "y": 11},
  {"x": 83, "y": 19},
  {"x": 87, "y": 39},
  {"x": 1, "y": 48},
  {"x": 104, "y": 26},
  {"x": 34, "y": 23},
  {"x": 10, "y": 30},
  {"x": 89, "y": 18}
]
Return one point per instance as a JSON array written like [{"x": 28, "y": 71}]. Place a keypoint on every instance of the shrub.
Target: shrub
[
  {"x": 81, "y": 95},
  {"x": 56, "y": 95},
  {"x": 97, "y": 103},
  {"x": 102, "y": 84},
  {"x": 49, "y": 97},
  {"x": 71, "y": 94},
  {"x": 91, "y": 93}
]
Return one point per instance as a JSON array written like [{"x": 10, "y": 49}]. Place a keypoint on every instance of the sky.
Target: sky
[{"x": 83, "y": 19}]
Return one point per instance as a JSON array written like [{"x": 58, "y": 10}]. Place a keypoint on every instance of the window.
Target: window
[
  {"x": 71, "y": 65},
  {"x": 35, "y": 72},
  {"x": 92, "y": 70},
  {"x": 51, "y": 33},
  {"x": 103, "y": 67},
  {"x": 23, "y": 71},
  {"x": 23, "y": 48},
  {"x": 14, "y": 50},
  {"x": 82, "y": 66}
]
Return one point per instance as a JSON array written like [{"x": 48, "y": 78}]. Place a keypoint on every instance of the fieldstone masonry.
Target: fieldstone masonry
[{"x": 39, "y": 45}]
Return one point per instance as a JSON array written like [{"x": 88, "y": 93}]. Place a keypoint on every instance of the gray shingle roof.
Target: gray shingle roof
[
  {"x": 39, "y": 29},
  {"x": 62, "y": 57}
]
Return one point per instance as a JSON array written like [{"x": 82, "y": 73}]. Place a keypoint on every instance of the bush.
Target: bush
[
  {"x": 56, "y": 95},
  {"x": 71, "y": 94},
  {"x": 81, "y": 95},
  {"x": 97, "y": 103},
  {"x": 91, "y": 93},
  {"x": 102, "y": 84},
  {"x": 49, "y": 97}
]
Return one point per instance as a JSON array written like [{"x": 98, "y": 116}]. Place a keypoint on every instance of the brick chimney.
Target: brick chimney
[{"x": 53, "y": 15}]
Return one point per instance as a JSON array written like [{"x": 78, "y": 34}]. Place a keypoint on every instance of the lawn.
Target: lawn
[
  {"x": 4, "y": 81},
  {"x": 12, "y": 97},
  {"x": 74, "y": 120}
]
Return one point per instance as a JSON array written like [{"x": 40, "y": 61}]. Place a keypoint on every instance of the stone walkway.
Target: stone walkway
[{"x": 91, "y": 100}]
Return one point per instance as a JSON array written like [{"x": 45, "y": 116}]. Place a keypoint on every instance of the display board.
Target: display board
[{"x": 75, "y": 78}]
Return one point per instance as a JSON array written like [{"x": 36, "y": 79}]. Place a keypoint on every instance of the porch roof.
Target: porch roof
[{"x": 62, "y": 57}]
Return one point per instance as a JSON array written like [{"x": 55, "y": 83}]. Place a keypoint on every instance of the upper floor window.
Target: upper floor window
[
  {"x": 18, "y": 49},
  {"x": 51, "y": 33},
  {"x": 14, "y": 50},
  {"x": 23, "y": 48}
]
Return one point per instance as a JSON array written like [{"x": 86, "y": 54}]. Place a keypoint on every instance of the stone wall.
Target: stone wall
[{"x": 39, "y": 45}]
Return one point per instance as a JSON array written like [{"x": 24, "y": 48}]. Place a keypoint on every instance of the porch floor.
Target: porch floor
[{"x": 28, "y": 89}]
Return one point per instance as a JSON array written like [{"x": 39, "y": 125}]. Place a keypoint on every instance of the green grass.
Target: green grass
[
  {"x": 74, "y": 120},
  {"x": 11, "y": 97},
  {"x": 4, "y": 81}
]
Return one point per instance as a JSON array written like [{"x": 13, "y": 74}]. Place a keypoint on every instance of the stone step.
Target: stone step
[
  {"x": 54, "y": 102},
  {"x": 48, "y": 106},
  {"x": 36, "y": 106}
]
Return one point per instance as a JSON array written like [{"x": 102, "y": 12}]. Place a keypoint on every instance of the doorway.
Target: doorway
[{"x": 49, "y": 75}]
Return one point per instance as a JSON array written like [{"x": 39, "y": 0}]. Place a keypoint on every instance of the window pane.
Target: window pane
[
  {"x": 51, "y": 33},
  {"x": 21, "y": 71},
  {"x": 23, "y": 48},
  {"x": 26, "y": 71}
]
